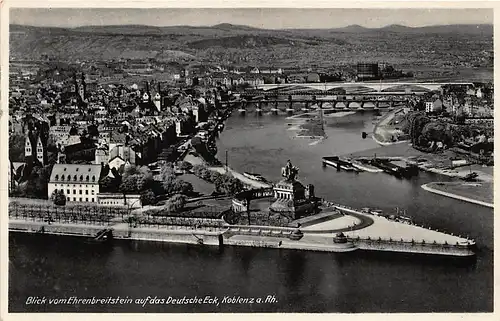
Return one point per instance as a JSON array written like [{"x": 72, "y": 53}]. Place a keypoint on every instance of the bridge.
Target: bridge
[
  {"x": 356, "y": 103},
  {"x": 362, "y": 86}
]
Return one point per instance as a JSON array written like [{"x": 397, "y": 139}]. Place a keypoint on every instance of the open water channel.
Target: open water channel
[{"x": 300, "y": 281}]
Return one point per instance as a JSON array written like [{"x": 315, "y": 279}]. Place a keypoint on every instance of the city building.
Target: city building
[
  {"x": 101, "y": 156},
  {"x": 366, "y": 71},
  {"x": 119, "y": 199},
  {"x": 68, "y": 140},
  {"x": 120, "y": 155},
  {"x": 35, "y": 147},
  {"x": 433, "y": 106},
  {"x": 58, "y": 132},
  {"x": 78, "y": 182}
]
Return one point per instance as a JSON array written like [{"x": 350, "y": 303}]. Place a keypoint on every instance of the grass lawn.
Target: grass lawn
[
  {"x": 199, "y": 185},
  {"x": 480, "y": 191}
]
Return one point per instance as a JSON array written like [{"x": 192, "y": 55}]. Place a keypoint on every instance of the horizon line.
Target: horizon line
[{"x": 251, "y": 27}]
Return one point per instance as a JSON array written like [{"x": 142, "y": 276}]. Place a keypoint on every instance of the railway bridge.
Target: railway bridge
[{"x": 412, "y": 87}]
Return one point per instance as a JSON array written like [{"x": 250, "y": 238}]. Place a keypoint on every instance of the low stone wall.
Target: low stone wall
[{"x": 315, "y": 219}]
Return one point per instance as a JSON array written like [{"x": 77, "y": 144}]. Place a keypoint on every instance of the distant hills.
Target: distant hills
[
  {"x": 231, "y": 28},
  {"x": 238, "y": 44}
]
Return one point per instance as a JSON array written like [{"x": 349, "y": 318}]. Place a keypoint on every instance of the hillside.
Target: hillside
[
  {"x": 245, "y": 41},
  {"x": 433, "y": 46}
]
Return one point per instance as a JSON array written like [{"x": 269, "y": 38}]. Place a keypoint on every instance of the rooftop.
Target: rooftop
[{"x": 80, "y": 173}]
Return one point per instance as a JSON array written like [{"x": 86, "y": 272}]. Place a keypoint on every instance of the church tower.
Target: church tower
[
  {"x": 146, "y": 96},
  {"x": 157, "y": 99},
  {"x": 82, "y": 87}
]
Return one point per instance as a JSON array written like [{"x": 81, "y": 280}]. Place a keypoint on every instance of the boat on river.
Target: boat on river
[{"x": 339, "y": 163}]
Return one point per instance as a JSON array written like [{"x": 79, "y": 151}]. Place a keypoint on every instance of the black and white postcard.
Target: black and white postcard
[{"x": 247, "y": 160}]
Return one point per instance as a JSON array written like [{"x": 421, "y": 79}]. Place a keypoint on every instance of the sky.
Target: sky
[{"x": 269, "y": 18}]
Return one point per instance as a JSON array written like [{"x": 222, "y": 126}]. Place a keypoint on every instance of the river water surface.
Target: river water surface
[{"x": 300, "y": 281}]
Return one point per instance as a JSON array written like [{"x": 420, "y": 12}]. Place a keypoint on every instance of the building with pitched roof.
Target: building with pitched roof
[
  {"x": 78, "y": 182},
  {"x": 35, "y": 147}
]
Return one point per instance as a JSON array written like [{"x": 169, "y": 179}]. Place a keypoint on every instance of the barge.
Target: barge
[
  {"x": 388, "y": 167},
  {"x": 364, "y": 167},
  {"x": 339, "y": 163}
]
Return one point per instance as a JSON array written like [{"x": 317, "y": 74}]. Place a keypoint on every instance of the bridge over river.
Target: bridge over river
[
  {"x": 337, "y": 103},
  {"x": 404, "y": 87}
]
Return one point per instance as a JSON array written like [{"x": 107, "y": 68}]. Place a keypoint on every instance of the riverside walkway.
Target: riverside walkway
[{"x": 386, "y": 229}]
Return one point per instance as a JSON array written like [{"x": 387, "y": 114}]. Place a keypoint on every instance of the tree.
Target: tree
[
  {"x": 227, "y": 184},
  {"x": 73, "y": 131},
  {"x": 16, "y": 147},
  {"x": 183, "y": 187},
  {"x": 185, "y": 166},
  {"x": 168, "y": 178},
  {"x": 129, "y": 184},
  {"x": 144, "y": 179},
  {"x": 437, "y": 132},
  {"x": 176, "y": 203},
  {"x": 130, "y": 170},
  {"x": 58, "y": 197},
  {"x": 202, "y": 172},
  {"x": 108, "y": 184},
  {"x": 148, "y": 197}
]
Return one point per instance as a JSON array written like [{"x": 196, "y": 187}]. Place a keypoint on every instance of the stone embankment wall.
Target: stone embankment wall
[
  {"x": 405, "y": 247},
  {"x": 186, "y": 237},
  {"x": 66, "y": 229}
]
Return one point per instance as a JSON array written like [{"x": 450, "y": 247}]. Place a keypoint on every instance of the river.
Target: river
[{"x": 300, "y": 281}]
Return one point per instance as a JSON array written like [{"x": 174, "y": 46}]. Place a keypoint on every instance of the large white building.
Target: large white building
[
  {"x": 79, "y": 183},
  {"x": 433, "y": 106}
]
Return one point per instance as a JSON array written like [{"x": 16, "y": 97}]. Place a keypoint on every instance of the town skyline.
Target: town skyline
[{"x": 264, "y": 18}]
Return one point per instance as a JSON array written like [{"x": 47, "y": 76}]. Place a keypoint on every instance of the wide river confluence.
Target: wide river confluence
[{"x": 301, "y": 281}]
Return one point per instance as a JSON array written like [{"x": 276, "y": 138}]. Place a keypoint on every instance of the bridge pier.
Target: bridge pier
[
  {"x": 243, "y": 108},
  {"x": 290, "y": 105},
  {"x": 259, "y": 108},
  {"x": 274, "y": 110}
]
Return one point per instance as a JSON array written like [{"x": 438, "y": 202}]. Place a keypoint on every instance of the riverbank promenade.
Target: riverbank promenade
[{"x": 362, "y": 231}]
